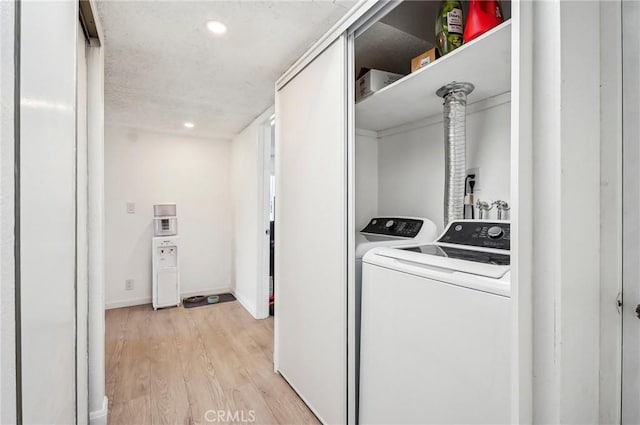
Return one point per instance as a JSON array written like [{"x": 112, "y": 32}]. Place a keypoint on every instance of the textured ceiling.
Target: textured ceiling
[{"x": 163, "y": 67}]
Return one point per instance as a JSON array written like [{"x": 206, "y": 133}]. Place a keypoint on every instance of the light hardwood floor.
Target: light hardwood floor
[{"x": 172, "y": 366}]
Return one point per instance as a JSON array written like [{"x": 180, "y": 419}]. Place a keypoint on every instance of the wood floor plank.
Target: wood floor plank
[
  {"x": 285, "y": 405},
  {"x": 248, "y": 402},
  {"x": 204, "y": 392},
  {"x": 169, "y": 403},
  {"x": 204, "y": 365},
  {"x": 228, "y": 368},
  {"x": 115, "y": 337},
  {"x": 132, "y": 412},
  {"x": 134, "y": 374}
]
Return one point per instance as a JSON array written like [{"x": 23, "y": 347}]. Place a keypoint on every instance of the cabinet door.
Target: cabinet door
[
  {"x": 311, "y": 238},
  {"x": 167, "y": 287}
]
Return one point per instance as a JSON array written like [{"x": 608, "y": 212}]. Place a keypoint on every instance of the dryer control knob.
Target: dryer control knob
[
  {"x": 495, "y": 232},
  {"x": 389, "y": 224}
]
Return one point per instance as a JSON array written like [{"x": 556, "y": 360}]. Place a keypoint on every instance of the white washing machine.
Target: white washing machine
[
  {"x": 435, "y": 337},
  {"x": 388, "y": 232}
]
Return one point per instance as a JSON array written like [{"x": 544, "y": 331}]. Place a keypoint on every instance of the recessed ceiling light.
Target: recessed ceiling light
[
  {"x": 189, "y": 125},
  {"x": 216, "y": 27}
]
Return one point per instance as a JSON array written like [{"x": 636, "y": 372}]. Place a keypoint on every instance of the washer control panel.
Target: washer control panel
[
  {"x": 485, "y": 234},
  {"x": 393, "y": 226}
]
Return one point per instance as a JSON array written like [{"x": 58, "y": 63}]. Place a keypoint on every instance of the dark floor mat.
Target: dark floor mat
[{"x": 223, "y": 298}]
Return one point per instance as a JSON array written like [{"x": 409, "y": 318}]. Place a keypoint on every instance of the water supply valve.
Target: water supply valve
[
  {"x": 501, "y": 206},
  {"x": 483, "y": 207}
]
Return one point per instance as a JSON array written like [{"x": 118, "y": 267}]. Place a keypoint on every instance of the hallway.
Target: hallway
[{"x": 203, "y": 365}]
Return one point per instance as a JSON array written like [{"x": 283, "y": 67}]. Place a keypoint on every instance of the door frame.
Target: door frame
[
  {"x": 630, "y": 342},
  {"x": 263, "y": 184},
  {"x": 9, "y": 212},
  {"x": 97, "y": 399},
  {"x": 81, "y": 225}
]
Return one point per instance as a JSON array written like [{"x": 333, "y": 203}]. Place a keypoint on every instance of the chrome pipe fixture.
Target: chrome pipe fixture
[
  {"x": 502, "y": 207},
  {"x": 483, "y": 208},
  {"x": 455, "y": 109}
]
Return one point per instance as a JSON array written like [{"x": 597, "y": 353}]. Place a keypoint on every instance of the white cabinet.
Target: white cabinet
[{"x": 311, "y": 240}]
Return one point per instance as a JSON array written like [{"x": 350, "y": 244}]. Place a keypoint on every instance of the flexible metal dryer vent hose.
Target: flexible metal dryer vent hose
[{"x": 455, "y": 110}]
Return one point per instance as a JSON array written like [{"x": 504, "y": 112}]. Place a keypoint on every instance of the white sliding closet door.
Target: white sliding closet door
[
  {"x": 47, "y": 236},
  {"x": 311, "y": 234}
]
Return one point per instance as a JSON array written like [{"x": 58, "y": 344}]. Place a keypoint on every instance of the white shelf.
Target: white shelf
[
  {"x": 485, "y": 62},
  {"x": 378, "y": 47}
]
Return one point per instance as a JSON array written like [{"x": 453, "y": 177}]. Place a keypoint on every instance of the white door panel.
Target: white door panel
[
  {"x": 311, "y": 241},
  {"x": 48, "y": 37},
  {"x": 631, "y": 214}
]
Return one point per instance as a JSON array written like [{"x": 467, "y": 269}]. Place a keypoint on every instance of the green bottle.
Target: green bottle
[{"x": 449, "y": 27}]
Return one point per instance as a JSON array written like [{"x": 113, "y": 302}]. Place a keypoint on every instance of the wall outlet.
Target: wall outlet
[
  {"x": 476, "y": 172},
  {"x": 131, "y": 208},
  {"x": 129, "y": 284}
]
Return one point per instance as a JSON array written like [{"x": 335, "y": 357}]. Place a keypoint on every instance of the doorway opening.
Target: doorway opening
[{"x": 269, "y": 184}]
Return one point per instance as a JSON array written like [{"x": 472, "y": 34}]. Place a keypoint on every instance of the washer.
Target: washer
[
  {"x": 435, "y": 337},
  {"x": 388, "y": 232}
]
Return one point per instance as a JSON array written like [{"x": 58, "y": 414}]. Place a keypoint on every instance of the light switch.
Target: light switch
[{"x": 131, "y": 208}]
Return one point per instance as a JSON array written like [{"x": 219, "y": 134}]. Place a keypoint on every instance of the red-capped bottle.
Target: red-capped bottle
[{"x": 481, "y": 17}]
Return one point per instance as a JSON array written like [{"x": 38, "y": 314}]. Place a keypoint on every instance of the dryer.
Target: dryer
[
  {"x": 391, "y": 231},
  {"x": 435, "y": 337}
]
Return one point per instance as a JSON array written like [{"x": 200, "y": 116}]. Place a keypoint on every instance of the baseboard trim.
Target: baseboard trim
[
  {"x": 246, "y": 304},
  {"x": 99, "y": 417},
  {"x": 127, "y": 303},
  {"x": 147, "y": 300}
]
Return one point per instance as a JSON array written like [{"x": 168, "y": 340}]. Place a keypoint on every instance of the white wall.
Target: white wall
[
  {"x": 411, "y": 161},
  {"x": 247, "y": 182},
  {"x": 366, "y": 177},
  {"x": 149, "y": 168},
  {"x": 7, "y": 311},
  {"x": 566, "y": 214}
]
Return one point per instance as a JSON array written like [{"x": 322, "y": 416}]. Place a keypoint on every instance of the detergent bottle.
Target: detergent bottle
[
  {"x": 481, "y": 17},
  {"x": 449, "y": 26}
]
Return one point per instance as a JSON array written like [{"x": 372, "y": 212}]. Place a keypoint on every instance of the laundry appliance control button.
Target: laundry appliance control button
[{"x": 495, "y": 232}]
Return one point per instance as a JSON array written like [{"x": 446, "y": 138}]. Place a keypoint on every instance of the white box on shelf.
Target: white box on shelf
[{"x": 373, "y": 81}]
